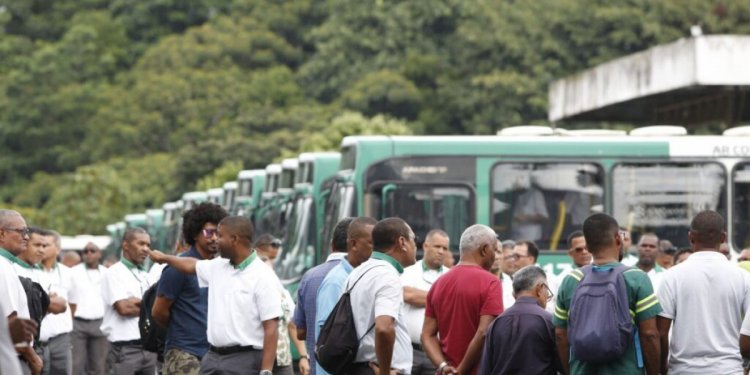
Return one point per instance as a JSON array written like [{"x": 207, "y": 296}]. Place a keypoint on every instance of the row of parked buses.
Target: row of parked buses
[{"x": 536, "y": 183}]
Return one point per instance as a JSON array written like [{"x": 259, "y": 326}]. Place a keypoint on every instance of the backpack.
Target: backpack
[
  {"x": 38, "y": 302},
  {"x": 600, "y": 327},
  {"x": 153, "y": 335},
  {"x": 337, "y": 344}
]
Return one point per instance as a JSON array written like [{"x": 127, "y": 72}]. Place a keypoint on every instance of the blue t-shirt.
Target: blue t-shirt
[{"x": 187, "y": 322}]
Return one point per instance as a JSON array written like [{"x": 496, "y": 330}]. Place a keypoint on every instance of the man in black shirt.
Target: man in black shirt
[{"x": 522, "y": 339}]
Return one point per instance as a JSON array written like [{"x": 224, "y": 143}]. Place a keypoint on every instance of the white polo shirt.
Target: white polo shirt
[
  {"x": 507, "y": 286},
  {"x": 121, "y": 281},
  {"x": 57, "y": 280},
  {"x": 380, "y": 293},
  {"x": 8, "y": 354},
  {"x": 421, "y": 277},
  {"x": 705, "y": 296},
  {"x": 12, "y": 294},
  {"x": 240, "y": 299},
  {"x": 86, "y": 291}
]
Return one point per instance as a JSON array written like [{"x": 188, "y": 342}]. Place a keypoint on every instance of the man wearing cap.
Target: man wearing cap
[{"x": 244, "y": 305}]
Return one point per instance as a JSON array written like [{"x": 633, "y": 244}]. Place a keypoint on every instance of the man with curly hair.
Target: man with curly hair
[{"x": 181, "y": 305}]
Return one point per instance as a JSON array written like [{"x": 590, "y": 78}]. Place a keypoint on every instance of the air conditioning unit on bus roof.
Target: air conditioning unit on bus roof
[
  {"x": 738, "y": 131},
  {"x": 659, "y": 130},
  {"x": 528, "y": 130}
]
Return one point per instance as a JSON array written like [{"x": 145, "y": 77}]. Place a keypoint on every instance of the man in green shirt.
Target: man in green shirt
[{"x": 604, "y": 242}]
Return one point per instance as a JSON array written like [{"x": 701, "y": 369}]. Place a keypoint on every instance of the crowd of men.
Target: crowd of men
[{"x": 494, "y": 312}]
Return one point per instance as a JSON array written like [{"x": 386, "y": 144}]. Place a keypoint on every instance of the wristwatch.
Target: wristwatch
[
  {"x": 265, "y": 372},
  {"x": 441, "y": 367},
  {"x": 304, "y": 356}
]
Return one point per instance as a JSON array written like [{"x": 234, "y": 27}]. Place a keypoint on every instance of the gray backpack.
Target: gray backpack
[{"x": 600, "y": 327}]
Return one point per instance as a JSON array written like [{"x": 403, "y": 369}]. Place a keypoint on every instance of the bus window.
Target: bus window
[
  {"x": 333, "y": 208},
  {"x": 664, "y": 197},
  {"x": 544, "y": 202},
  {"x": 297, "y": 255},
  {"x": 741, "y": 222},
  {"x": 448, "y": 207}
]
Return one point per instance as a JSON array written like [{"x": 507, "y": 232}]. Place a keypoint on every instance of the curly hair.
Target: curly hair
[{"x": 194, "y": 219}]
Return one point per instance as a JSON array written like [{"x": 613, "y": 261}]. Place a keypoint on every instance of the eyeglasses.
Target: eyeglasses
[
  {"x": 22, "y": 231},
  {"x": 210, "y": 232},
  {"x": 512, "y": 257},
  {"x": 550, "y": 295}
]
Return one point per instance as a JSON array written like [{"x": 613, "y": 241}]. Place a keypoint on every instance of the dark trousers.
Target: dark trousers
[
  {"x": 57, "y": 355},
  {"x": 90, "y": 347},
  {"x": 242, "y": 363},
  {"x": 360, "y": 369},
  {"x": 422, "y": 364},
  {"x": 130, "y": 360}
]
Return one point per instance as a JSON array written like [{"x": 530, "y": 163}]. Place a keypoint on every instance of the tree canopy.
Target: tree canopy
[{"x": 109, "y": 107}]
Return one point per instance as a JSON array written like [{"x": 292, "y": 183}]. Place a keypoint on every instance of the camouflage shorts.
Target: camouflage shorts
[{"x": 178, "y": 362}]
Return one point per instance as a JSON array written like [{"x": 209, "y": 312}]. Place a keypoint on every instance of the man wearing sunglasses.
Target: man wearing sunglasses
[
  {"x": 90, "y": 345},
  {"x": 14, "y": 237},
  {"x": 523, "y": 337},
  {"x": 181, "y": 305},
  {"x": 268, "y": 247}
]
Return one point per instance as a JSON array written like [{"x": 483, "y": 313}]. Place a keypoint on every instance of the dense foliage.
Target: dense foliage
[{"x": 113, "y": 106}]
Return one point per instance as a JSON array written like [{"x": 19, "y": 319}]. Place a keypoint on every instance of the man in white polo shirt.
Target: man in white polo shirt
[
  {"x": 703, "y": 300},
  {"x": 14, "y": 236},
  {"x": 417, "y": 280},
  {"x": 90, "y": 346},
  {"x": 377, "y": 301},
  {"x": 123, "y": 285},
  {"x": 244, "y": 305}
]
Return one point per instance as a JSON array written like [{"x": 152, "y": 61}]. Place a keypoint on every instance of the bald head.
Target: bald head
[
  {"x": 386, "y": 233},
  {"x": 239, "y": 226},
  {"x": 131, "y": 233},
  {"x": 707, "y": 231}
]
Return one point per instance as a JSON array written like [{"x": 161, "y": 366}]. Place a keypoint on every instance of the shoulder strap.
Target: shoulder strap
[{"x": 349, "y": 289}]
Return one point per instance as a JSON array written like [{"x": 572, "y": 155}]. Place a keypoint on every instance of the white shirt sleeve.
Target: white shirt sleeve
[
  {"x": 73, "y": 292},
  {"x": 388, "y": 295},
  {"x": 112, "y": 290},
  {"x": 203, "y": 271},
  {"x": 745, "y": 330},
  {"x": 665, "y": 295},
  {"x": 268, "y": 297}
]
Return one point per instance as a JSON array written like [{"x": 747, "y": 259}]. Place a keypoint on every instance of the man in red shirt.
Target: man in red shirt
[{"x": 462, "y": 304}]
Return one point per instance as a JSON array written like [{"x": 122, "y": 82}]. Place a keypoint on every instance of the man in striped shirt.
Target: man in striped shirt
[{"x": 604, "y": 241}]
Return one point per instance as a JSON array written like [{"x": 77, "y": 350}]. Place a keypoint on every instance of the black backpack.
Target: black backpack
[
  {"x": 153, "y": 335},
  {"x": 338, "y": 343},
  {"x": 38, "y": 301}
]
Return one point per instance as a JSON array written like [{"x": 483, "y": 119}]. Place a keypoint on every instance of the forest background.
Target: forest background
[{"x": 109, "y": 107}]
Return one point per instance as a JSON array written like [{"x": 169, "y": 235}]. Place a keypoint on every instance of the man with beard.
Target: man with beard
[
  {"x": 648, "y": 250},
  {"x": 123, "y": 285},
  {"x": 180, "y": 304},
  {"x": 244, "y": 305}
]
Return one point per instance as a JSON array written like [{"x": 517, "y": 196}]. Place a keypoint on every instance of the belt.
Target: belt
[
  {"x": 224, "y": 350},
  {"x": 87, "y": 320},
  {"x": 417, "y": 347},
  {"x": 127, "y": 343}
]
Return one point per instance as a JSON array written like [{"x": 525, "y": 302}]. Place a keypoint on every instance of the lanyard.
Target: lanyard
[{"x": 140, "y": 282}]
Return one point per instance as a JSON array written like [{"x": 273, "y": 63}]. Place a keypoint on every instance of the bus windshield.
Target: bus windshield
[
  {"x": 741, "y": 202},
  {"x": 544, "y": 202},
  {"x": 427, "y": 207},
  {"x": 662, "y": 198},
  {"x": 298, "y": 253}
]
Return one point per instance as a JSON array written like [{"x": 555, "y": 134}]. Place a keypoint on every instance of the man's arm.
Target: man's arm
[
  {"x": 474, "y": 352},
  {"x": 431, "y": 344},
  {"x": 414, "y": 296},
  {"x": 745, "y": 346},
  {"x": 128, "y": 307},
  {"x": 56, "y": 304},
  {"x": 650, "y": 345},
  {"x": 304, "y": 361},
  {"x": 73, "y": 308},
  {"x": 33, "y": 359},
  {"x": 270, "y": 339},
  {"x": 161, "y": 311},
  {"x": 385, "y": 339},
  {"x": 563, "y": 348},
  {"x": 182, "y": 264},
  {"x": 662, "y": 325}
]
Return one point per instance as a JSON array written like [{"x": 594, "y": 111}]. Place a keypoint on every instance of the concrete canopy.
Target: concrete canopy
[{"x": 690, "y": 81}]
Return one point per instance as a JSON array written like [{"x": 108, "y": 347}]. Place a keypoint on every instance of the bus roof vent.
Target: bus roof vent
[
  {"x": 526, "y": 130},
  {"x": 595, "y": 132},
  {"x": 738, "y": 131},
  {"x": 659, "y": 130}
]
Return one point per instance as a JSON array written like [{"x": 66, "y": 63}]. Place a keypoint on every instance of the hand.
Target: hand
[
  {"x": 157, "y": 256},
  {"x": 376, "y": 369},
  {"x": 36, "y": 364},
  {"x": 21, "y": 330},
  {"x": 304, "y": 366},
  {"x": 449, "y": 370}
]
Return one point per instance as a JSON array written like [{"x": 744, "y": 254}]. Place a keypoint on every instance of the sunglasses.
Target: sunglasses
[
  {"x": 579, "y": 249},
  {"x": 276, "y": 243},
  {"x": 210, "y": 232}
]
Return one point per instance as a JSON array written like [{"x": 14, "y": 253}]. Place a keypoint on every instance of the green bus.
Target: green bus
[
  {"x": 249, "y": 190},
  {"x": 228, "y": 196},
  {"x": 265, "y": 216},
  {"x": 155, "y": 227},
  {"x": 302, "y": 245},
  {"x": 654, "y": 181}
]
